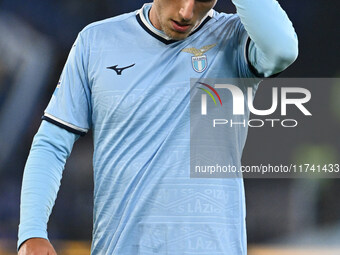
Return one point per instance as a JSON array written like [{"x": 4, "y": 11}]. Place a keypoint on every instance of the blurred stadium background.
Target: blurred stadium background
[{"x": 284, "y": 216}]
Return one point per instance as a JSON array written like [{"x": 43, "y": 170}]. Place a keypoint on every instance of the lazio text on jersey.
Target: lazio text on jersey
[{"x": 131, "y": 85}]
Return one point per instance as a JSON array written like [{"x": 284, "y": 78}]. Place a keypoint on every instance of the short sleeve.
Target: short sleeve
[{"x": 70, "y": 105}]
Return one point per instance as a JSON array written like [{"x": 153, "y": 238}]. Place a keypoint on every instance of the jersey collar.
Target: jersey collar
[{"x": 158, "y": 34}]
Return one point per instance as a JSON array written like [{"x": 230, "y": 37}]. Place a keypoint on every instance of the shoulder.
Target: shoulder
[
  {"x": 225, "y": 26},
  {"x": 222, "y": 16},
  {"x": 110, "y": 26},
  {"x": 227, "y": 19}
]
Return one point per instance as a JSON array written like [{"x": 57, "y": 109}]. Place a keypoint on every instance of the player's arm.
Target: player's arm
[
  {"x": 274, "y": 44},
  {"x": 51, "y": 147}
]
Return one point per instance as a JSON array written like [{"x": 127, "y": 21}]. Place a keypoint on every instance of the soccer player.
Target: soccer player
[{"x": 128, "y": 79}]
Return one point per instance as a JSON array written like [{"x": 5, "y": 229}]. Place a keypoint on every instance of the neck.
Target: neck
[{"x": 153, "y": 18}]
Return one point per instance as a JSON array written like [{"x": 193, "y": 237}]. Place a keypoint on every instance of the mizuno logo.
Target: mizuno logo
[{"x": 119, "y": 70}]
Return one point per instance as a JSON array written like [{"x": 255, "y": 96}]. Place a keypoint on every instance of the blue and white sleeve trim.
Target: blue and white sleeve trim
[{"x": 65, "y": 125}]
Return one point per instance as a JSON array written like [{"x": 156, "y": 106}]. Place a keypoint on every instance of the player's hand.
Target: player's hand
[{"x": 36, "y": 246}]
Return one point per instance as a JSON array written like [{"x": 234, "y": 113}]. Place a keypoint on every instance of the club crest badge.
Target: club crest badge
[{"x": 199, "y": 60}]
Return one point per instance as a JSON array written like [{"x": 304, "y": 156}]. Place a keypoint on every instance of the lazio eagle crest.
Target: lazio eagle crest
[{"x": 199, "y": 60}]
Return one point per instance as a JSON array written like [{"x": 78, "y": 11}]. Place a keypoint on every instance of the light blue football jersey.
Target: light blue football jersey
[{"x": 130, "y": 84}]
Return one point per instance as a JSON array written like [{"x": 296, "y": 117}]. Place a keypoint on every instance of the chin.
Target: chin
[
  {"x": 176, "y": 36},
  {"x": 179, "y": 37}
]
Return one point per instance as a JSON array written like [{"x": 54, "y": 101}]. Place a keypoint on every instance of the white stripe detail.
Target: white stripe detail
[
  {"x": 200, "y": 66},
  {"x": 65, "y": 123},
  {"x": 155, "y": 31}
]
